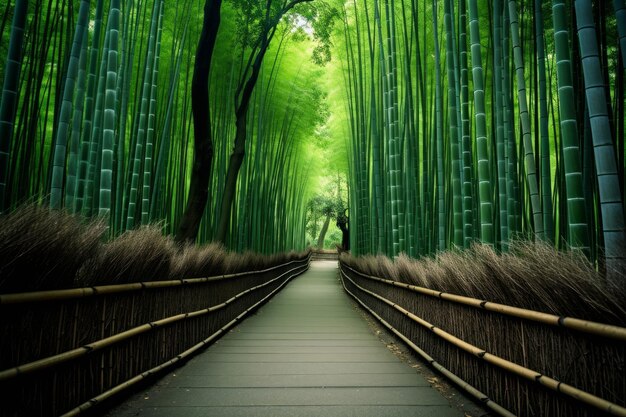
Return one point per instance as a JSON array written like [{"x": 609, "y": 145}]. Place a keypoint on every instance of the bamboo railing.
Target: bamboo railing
[
  {"x": 516, "y": 361},
  {"x": 71, "y": 349}
]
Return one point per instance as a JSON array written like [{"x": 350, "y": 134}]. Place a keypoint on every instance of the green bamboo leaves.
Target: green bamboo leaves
[
  {"x": 469, "y": 167},
  {"x": 102, "y": 113},
  {"x": 116, "y": 97},
  {"x": 10, "y": 95}
]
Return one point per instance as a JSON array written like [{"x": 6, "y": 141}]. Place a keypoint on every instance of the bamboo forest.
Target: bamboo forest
[{"x": 451, "y": 170}]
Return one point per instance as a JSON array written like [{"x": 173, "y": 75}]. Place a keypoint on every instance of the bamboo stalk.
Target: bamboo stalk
[
  {"x": 109, "y": 393},
  {"x": 572, "y": 392},
  {"x": 44, "y": 363},
  {"x": 54, "y": 295},
  {"x": 584, "y": 326}
]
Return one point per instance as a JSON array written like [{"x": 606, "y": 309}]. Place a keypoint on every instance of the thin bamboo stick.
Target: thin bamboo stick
[
  {"x": 572, "y": 392},
  {"x": 584, "y": 326},
  {"x": 53, "y": 295},
  {"x": 44, "y": 363},
  {"x": 109, "y": 393}
]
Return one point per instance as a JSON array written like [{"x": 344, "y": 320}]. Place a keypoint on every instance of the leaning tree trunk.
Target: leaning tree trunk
[
  {"x": 244, "y": 91},
  {"x": 322, "y": 236},
  {"x": 203, "y": 141}
]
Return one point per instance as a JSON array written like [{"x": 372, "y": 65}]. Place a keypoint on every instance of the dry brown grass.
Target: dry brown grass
[
  {"x": 137, "y": 255},
  {"x": 532, "y": 275},
  {"x": 42, "y": 249},
  {"x": 198, "y": 261}
]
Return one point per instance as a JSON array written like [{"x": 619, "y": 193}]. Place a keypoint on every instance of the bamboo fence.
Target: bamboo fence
[
  {"x": 64, "y": 351},
  {"x": 516, "y": 361}
]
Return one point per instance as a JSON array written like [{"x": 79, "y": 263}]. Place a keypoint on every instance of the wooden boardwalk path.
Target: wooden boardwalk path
[{"x": 307, "y": 352}]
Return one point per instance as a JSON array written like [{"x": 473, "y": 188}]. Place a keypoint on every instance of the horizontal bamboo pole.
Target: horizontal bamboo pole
[
  {"x": 470, "y": 389},
  {"x": 584, "y": 326},
  {"x": 118, "y": 388},
  {"x": 44, "y": 363},
  {"x": 572, "y": 392},
  {"x": 54, "y": 295}
]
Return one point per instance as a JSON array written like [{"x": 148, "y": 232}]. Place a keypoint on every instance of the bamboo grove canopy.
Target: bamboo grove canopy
[
  {"x": 456, "y": 121},
  {"x": 485, "y": 120},
  {"x": 97, "y": 116}
]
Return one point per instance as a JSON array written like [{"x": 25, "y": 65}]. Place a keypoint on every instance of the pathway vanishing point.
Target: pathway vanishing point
[{"x": 307, "y": 352}]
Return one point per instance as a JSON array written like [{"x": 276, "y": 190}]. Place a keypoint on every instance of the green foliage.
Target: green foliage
[
  {"x": 441, "y": 147},
  {"x": 414, "y": 104}
]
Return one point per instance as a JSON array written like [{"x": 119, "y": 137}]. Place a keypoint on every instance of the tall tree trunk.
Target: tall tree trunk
[{"x": 203, "y": 141}]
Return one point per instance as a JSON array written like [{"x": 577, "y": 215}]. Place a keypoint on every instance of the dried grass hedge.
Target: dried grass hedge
[
  {"x": 44, "y": 250},
  {"x": 534, "y": 276},
  {"x": 531, "y": 276}
]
